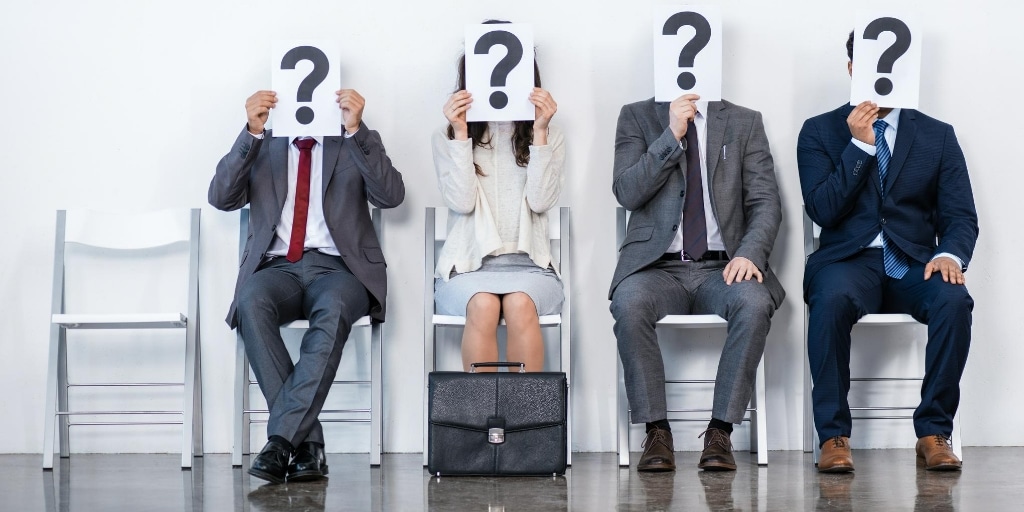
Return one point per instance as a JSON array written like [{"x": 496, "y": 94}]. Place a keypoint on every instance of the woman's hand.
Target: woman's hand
[
  {"x": 545, "y": 108},
  {"x": 455, "y": 110}
]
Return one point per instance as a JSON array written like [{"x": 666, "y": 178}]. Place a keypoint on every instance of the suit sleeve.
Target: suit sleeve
[
  {"x": 640, "y": 171},
  {"x": 956, "y": 216},
  {"x": 544, "y": 176},
  {"x": 229, "y": 189},
  {"x": 762, "y": 206},
  {"x": 384, "y": 185},
  {"x": 830, "y": 191}
]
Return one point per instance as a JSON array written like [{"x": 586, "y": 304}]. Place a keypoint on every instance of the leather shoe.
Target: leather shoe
[
  {"x": 836, "y": 456},
  {"x": 659, "y": 454},
  {"x": 272, "y": 462},
  {"x": 309, "y": 463},
  {"x": 935, "y": 453},
  {"x": 717, "y": 454}
]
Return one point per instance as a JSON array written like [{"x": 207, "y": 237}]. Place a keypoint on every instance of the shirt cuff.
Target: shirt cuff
[
  {"x": 867, "y": 148},
  {"x": 950, "y": 256}
]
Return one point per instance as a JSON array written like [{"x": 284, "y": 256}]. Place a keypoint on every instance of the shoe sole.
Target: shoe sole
[
  {"x": 308, "y": 476},
  {"x": 836, "y": 469},
  {"x": 939, "y": 467},
  {"x": 716, "y": 466},
  {"x": 274, "y": 479},
  {"x": 656, "y": 468}
]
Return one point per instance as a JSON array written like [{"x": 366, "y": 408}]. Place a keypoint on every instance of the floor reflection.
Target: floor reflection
[{"x": 497, "y": 494}]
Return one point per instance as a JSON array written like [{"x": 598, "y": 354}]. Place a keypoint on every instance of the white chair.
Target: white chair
[
  {"x": 136, "y": 238},
  {"x": 811, "y": 442},
  {"x": 561, "y": 257},
  {"x": 757, "y": 409},
  {"x": 244, "y": 381}
]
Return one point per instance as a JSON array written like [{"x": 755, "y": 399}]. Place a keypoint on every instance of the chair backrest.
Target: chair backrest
[
  {"x": 438, "y": 223},
  {"x": 129, "y": 237}
]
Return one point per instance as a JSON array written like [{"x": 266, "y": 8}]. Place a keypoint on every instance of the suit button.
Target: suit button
[
  {"x": 883, "y": 221},
  {"x": 682, "y": 193},
  {"x": 675, "y": 227}
]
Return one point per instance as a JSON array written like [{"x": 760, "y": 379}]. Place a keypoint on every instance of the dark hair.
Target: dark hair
[
  {"x": 849, "y": 47},
  {"x": 522, "y": 132}
]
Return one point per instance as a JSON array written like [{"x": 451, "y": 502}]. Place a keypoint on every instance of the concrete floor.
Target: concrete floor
[{"x": 885, "y": 480}]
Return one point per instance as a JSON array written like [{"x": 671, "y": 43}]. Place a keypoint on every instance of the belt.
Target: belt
[{"x": 707, "y": 256}]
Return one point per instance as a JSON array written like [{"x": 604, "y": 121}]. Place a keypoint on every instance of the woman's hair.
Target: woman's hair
[{"x": 522, "y": 132}]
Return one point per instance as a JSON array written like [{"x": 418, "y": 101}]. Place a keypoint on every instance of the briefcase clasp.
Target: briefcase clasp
[{"x": 496, "y": 435}]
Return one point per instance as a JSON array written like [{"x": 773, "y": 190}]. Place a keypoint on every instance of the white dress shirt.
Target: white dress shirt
[
  {"x": 715, "y": 242},
  {"x": 892, "y": 121}
]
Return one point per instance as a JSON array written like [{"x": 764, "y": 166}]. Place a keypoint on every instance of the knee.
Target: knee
[
  {"x": 833, "y": 302},
  {"x": 252, "y": 303},
  {"x": 753, "y": 301},
  {"x": 518, "y": 307},
  {"x": 628, "y": 305},
  {"x": 483, "y": 306},
  {"x": 953, "y": 300}
]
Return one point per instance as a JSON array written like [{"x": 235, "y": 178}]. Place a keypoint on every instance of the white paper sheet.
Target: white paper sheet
[
  {"x": 305, "y": 103},
  {"x": 687, "y": 52},
  {"x": 882, "y": 71},
  {"x": 499, "y": 72}
]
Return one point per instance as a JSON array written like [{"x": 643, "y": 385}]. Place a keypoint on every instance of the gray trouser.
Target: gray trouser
[
  {"x": 676, "y": 288},
  {"x": 320, "y": 288}
]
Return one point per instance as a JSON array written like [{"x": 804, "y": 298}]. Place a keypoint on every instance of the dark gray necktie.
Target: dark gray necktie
[{"x": 695, "y": 228}]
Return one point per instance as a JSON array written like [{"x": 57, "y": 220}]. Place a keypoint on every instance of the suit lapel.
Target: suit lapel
[
  {"x": 716, "y": 118},
  {"x": 905, "y": 135},
  {"x": 279, "y": 168},
  {"x": 332, "y": 150},
  {"x": 661, "y": 114}
]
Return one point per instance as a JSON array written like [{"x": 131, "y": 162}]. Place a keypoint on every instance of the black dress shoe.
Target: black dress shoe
[
  {"x": 310, "y": 463},
  {"x": 272, "y": 462},
  {"x": 658, "y": 452},
  {"x": 717, "y": 454}
]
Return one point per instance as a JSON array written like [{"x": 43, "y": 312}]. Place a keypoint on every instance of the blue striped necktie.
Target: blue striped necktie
[{"x": 896, "y": 261}]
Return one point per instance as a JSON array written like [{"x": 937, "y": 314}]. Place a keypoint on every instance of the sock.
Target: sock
[
  {"x": 720, "y": 425},
  {"x": 283, "y": 441},
  {"x": 662, "y": 424}
]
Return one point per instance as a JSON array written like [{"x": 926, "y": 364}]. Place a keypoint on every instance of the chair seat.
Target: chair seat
[
  {"x": 121, "y": 321},
  {"x": 886, "y": 319},
  {"x": 304, "y": 324},
  {"x": 545, "y": 320},
  {"x": 692, "y": 321}
]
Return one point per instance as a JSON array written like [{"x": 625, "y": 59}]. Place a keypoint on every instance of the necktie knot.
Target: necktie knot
[
  {"x": 880, "y": 126},
  {"x": 305, "y": 144}
]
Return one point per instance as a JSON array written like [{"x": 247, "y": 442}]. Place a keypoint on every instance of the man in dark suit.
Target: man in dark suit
[
  {"x": 311, "y": 253},
  {"x": 890, "y": 190},
  {"x": 700, "y": 183}
]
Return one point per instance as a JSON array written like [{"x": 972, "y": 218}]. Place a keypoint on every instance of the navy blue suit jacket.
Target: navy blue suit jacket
[{"x": 928, "y": 196}]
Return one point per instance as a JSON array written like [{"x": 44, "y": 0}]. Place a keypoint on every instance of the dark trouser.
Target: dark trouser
[
  {"x": 677, "y": 288},
  {"x": 842, "y": 292},
  {"x": 320, "y": 288}
]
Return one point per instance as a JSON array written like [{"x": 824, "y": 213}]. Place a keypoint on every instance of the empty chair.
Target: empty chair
[
  {"x": 125, "y": 242},
  {"x": 244, "y": 381}
]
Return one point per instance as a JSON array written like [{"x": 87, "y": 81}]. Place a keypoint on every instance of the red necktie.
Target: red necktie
[{"x": 298, "y": 241}]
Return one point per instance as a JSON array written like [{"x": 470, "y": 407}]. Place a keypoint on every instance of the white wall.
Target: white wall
[{"x": 129, "y": 105}]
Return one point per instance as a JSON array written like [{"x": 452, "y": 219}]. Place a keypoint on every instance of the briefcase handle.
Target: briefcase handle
[{"x": 497, "y": 364}]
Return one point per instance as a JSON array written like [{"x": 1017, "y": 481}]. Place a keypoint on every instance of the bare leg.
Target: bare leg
[
  {"x": 480, "y": 337},
  {"x": 525, "y": 343}
]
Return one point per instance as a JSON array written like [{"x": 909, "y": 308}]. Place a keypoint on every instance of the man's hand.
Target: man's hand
[
  {"x": 741, "y": 269},
  {"x": 949, "y": 269},
  {"x": 681, "y": 111},
  {"x": 257, "y": 109},
  {"x": 351, "y": 105},
  {"x": 862, "y": 122}
]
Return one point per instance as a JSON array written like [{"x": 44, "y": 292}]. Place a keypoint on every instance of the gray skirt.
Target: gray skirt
[{"x": 507, "y": 273}]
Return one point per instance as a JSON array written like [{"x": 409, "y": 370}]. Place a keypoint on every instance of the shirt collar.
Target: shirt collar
[
  {"x": 893, "y": 119},
  {"x": 319, "y": 139}
]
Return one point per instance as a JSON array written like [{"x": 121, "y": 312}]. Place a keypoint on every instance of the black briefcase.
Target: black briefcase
[{"x": 502, "y": 423}]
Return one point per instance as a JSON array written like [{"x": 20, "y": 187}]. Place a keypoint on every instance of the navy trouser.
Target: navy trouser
[{"x": 842, "y": 292}]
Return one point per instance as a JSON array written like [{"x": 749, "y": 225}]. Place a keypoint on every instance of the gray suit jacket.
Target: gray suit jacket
[
  {"x": 357, "y": 169},
  {"x": 649, "y": 180}
]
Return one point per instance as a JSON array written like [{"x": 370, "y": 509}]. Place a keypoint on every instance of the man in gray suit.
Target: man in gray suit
[
  {"x": 311, "y": 253},
  {"x": 699, "y": 180}
]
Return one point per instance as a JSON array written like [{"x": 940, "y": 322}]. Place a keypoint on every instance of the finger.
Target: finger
[
  {"x": 748, "y": 272},
  {"x": 946, "y": 271},
  {"x": 760, "y": 278},
  {"x": 729, "y": 273},
  {"x": 928, "y": 269}
]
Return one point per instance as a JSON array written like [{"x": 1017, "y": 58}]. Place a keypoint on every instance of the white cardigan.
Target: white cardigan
[{"x": 504, "y": 211}]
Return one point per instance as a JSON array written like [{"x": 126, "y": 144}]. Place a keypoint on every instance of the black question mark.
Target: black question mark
[
  {"x": 505, "y": 65},
  {"x": 686, "y": 80},
  {"x": 321, "y": 65},
  {"x": 883, "y": 85}
]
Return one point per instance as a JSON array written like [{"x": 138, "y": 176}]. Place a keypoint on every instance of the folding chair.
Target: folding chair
[
  {"x": 811, "y": 442},
  {"x": 244, "y": 380},
  {"x": 136, "y": 238},
  {"x": 561, "y": 258},
  {"x": 757, "y": 408}
]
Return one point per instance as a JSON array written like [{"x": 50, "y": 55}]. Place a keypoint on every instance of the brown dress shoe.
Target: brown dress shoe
[
  {"x": 717, "y": 454},
  {"x": 935, "y": 453},
  {"x": 659, "y": 453},
  {"x": 836, "y": 456}
]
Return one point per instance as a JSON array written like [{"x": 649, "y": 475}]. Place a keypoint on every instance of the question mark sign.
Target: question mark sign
[
  {"x": 321, "y": 65},
  {"x": 686, "y": 80},
  {"x": 505, "y": 66},
  {"x": 883, "y": 85}
]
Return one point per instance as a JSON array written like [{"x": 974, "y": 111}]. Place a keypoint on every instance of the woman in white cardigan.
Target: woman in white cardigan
[{"x": 498, "y": 180}]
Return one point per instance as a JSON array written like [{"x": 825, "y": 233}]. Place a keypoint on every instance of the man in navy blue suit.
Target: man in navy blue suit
[{"x": 890, "y": 190}]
